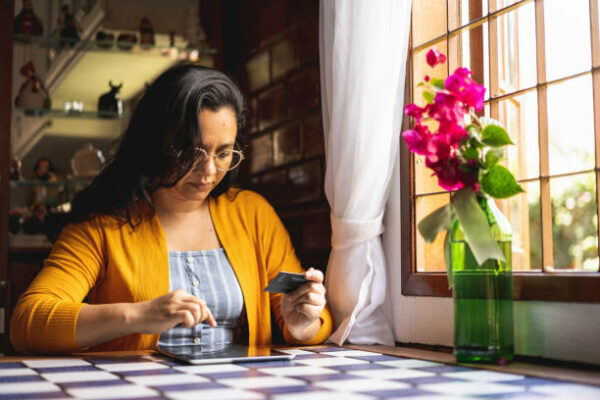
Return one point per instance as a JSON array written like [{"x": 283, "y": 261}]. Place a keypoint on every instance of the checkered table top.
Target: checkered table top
[{"x": 314, "y": 374}]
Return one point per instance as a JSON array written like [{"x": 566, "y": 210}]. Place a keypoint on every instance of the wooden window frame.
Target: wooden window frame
[{"x": 542, "y": 286}]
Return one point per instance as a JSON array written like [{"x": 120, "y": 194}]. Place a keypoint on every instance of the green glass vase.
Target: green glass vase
[{"x": 483, "y": 294}]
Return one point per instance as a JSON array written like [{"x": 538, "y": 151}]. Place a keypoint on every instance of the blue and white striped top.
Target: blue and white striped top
[{"x": 207, "y": 274}]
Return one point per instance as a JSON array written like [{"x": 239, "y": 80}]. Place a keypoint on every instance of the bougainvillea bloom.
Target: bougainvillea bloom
[
  {"x": 418, "y": 140},
  {"x": 435, "y": 57}
]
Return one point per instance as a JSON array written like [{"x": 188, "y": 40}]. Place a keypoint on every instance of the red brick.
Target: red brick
[
  {"x": 252, "y": 115},
  {"x": 303, "y": 92},
  {"x": 316, "y": 234},
  {"x": 257, "y": 71},
  {"x": 309, "y": 41},
  {"x": 272, "y": 19},
  {"x": 314, "y": 141},
  {"x": 287, "y": 144},
  {"x": 260, "y": 153},
  {"x": 271, "y": 107},
  {"x": 284, "y": 56},
  {"x": 305, "y": 182},
  {"x": 272, "y": 185}
]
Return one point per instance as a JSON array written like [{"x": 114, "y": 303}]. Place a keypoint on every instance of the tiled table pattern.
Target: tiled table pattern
[{"x": 316, "y": 373}]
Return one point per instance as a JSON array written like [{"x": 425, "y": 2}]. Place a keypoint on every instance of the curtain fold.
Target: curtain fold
[{"x": 363, "y": 50}]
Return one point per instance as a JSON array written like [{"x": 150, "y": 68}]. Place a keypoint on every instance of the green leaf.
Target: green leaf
[
  {"x": 436, "y": 222},
  {"x": 493, "y": 156},
  {"x": 448, "y": 260},
  {"x": 475, "y": 226},
  {"x": 420, "y": 84},
  {"x": 500, "y": 183},
  {"x": 437, "y": 83},
  {"x": 495, "y": 135},
  {"x": 485, "y": 121},
  {"x": 428, "y": 96},
  {"x": 470, "y": 153}
]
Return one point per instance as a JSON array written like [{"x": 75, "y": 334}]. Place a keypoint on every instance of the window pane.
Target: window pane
[
  {"x": 424, "y": 12},
  {"x": 424, "y": 182},
  {"x": 575, "y": 222},
  {"x": 496, "y": 5},
  {"x": 523, "y": 211},
  {"x": 430, "y": 256},
  {"x": 469, "y": 49},
  {"x": 516, "y": 50},
  {"x": 519, "y": 115},
  {"x": 461, "y": 12},
  {"x": 571, "y": 125},
  {"x": 567, "y": 33}
]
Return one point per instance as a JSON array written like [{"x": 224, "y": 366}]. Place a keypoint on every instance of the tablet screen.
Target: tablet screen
[{"x": 198, "y": 354}]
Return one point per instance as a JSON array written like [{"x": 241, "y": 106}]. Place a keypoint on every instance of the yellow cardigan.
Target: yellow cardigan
[{"x": 109, "y": 263}]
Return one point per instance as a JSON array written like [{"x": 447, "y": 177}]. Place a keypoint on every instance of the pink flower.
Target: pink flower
[
  {"x": 465, "y": 88},
  {"x": 449, "y": 175},
  {"x": 441, "y": 150},
  {"x": 426, "y": 78},
  {"x": 456, "y": 132},
  {"x": 446, "y": 108},
  {"x": 473, "y": 96},
  {"x": 414, "y": 111},
  {"x": 418, "y": 140},
  {"x": 434, "y": 57}
]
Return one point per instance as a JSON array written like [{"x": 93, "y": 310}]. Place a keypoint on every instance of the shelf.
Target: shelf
[
  {"x": 31, "y": 183},
  {"x": 53, "y": 113},
  {"x": 104, "y": 46}
]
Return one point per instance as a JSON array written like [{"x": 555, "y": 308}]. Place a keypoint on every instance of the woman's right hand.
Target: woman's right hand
[{"x": 164, "y": 312}]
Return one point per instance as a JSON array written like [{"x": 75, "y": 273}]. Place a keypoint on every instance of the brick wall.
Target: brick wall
[{"x": 277, "y": 65}]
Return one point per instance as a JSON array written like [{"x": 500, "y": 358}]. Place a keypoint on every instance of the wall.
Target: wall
[{"x": 275, "y": 59}]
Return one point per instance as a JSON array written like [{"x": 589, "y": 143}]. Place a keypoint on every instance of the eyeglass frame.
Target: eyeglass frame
[{"x": 213, "y": 155}]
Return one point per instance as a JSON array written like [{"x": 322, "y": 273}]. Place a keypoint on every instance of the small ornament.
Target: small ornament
[
  {"x": 104, "y": 40},
  {"x": 16, "y": 174},
  {"x": 109, "y": 104},
  {"x": 44, "y": 170},
  {"x": 69, "y": 31},
  {"x": 33, "y": 95},
  {"x": 27, "y": 23},
  {"x": 87, "y": 161},
  {"x": 146, "y": 33},
  {"x": 126, "y": 41}
]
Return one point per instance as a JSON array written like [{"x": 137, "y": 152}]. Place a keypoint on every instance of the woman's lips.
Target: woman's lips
[{"x": 203, "y": 186}]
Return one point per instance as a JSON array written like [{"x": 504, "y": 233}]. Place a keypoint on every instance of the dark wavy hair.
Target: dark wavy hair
[{"x": 157, "y": 149}]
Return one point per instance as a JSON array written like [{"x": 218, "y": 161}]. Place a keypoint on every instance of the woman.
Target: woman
[{"x": 163, "y": 248}]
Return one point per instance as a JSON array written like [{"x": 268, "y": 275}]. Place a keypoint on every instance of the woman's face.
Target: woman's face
[{"x": 219, "y": 130}]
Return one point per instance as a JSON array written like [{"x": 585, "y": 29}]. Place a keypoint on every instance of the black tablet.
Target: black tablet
[{"x": 198, "y": 354}]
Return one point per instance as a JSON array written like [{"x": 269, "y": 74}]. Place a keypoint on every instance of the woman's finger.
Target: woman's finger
[
  {"x": 310, "y": 287},
  {"x": 186, "y": 318},
  {"x": 309, "y": 311},
  {"x": 311, "y": 299},
  {"x": 204, "y": 312},
  {"x": 314, "y": 275}
]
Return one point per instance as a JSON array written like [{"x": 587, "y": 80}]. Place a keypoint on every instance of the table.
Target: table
[{"x": 319, "y": 372}]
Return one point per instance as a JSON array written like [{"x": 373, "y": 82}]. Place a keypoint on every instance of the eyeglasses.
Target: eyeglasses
[{"x": 225, "y": 160}]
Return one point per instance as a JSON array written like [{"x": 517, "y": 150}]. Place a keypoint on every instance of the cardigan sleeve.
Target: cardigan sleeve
[
  {"x": 280, "y": 256},
  {"x": 45, "y": 316}
]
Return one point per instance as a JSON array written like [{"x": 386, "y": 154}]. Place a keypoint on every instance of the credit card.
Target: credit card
[{"x": 286, "y": 282}]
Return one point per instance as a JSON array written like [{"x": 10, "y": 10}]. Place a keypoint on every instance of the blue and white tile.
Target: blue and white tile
[
  {"x": 56, "y": 362},
  {"x": 303, "y": 370},
  {"x": 572, "y": 390},
  {"x": 409, "y": 363},
  {"x": 131, "y": 366},
  {"x": 261, "y": 382},
  {"x": 324, "y": 395},
  {"x": 393, "y": 373},
  {"x": 214, "y": 394},
  {"x": 295, "y": 352},
  {"x": 361, "y": 385},
  {"x": 483, "y": 376},
  {"x": 30, "y": 387},
  {"x": 330, "y": 361},
  {"x": 79, "y": 376},
  {"x": 113, "y": 392},
  {"x": 169, "y": 379},
  {"x": 351, "y": 353},
  {"x": 210, "y": 369},
  {"x": 471, "y": 388},
  {"x": 16, "y": 372}
]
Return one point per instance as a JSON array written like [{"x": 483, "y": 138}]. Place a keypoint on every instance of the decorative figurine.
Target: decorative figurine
[
  {"x": 146, "y": 33},
  {"x": 104, "y": 40},
  {"x": 69, "y": 31},
  {"x": 109, "y": 104},
  {"x": 126, "y": 41},
  {"x": 16, "y": 173},
  {"x": 27, "y": 23},
  {"x": 33, "y": 95},
  {"x": 87, "y": 161},
  {"x": 43, "y": 170}
]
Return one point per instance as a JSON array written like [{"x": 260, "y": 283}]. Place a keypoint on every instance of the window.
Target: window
[{"x": 540, "y": 61}]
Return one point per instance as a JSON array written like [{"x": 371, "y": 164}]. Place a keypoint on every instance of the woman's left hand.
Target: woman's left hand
[{"x": 302, "y": 307}]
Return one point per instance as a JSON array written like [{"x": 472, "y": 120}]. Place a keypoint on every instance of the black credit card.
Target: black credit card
[{"x": 286, "y": 282}]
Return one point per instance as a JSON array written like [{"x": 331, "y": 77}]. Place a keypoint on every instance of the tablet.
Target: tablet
[{"x": 236, "y": 353}]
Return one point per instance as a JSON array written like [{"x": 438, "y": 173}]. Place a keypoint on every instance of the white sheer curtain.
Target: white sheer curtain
[{"x": 363, "y": 49}]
